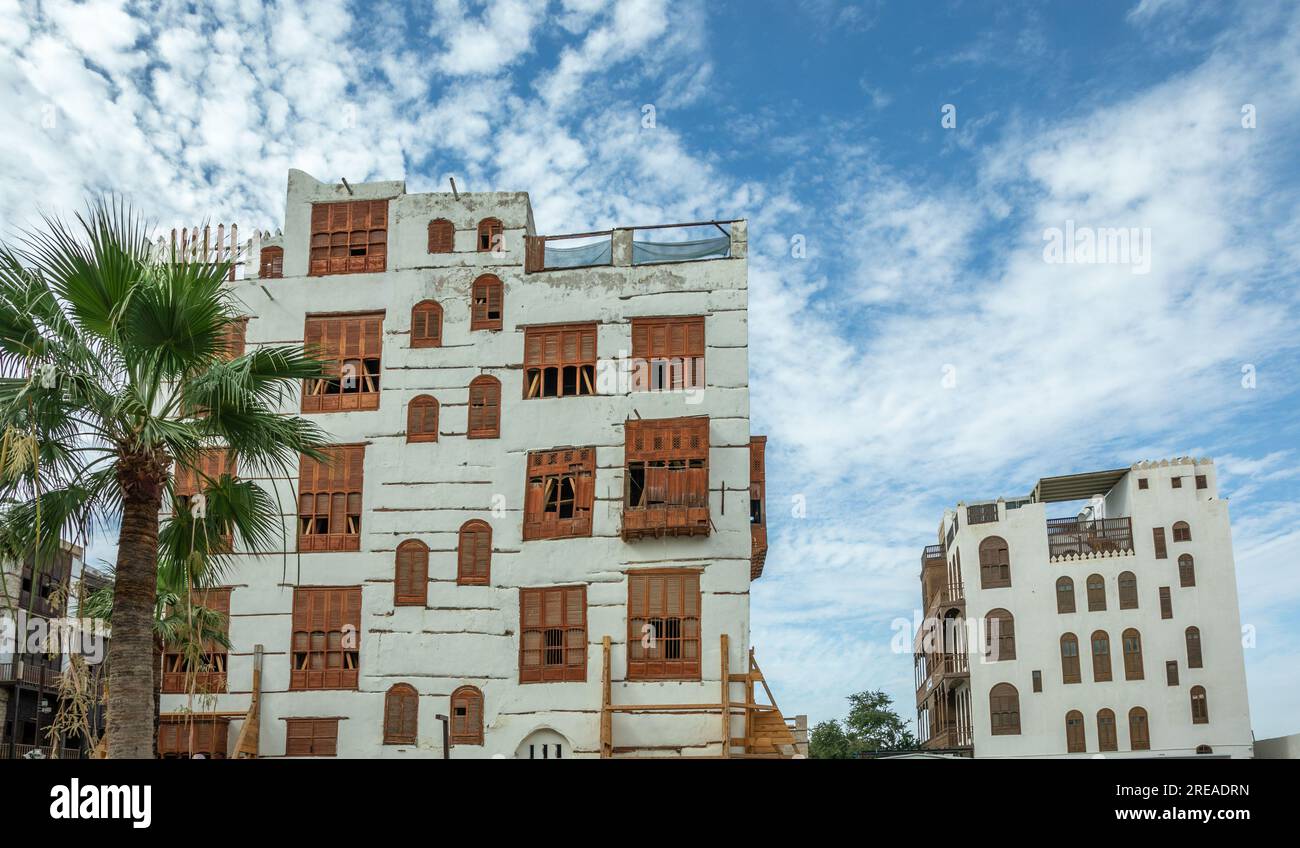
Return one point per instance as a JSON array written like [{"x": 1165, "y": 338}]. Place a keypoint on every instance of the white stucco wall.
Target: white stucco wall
[
  {"x": 468, "y": 635},
  {"x": 1210, "y": 605}
]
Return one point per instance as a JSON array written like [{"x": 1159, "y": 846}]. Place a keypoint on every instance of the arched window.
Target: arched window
[
  {"x": 467, "y": 716},
  {"x": 442, "y": 236},
  {"x": 1132, "y": 654},
  {"x": 995, "y": 563},
  {"x": 1076, "y": 740},
  {"x": 401, "y": 715},
  {"x": 1096, "y": 593},
  {"x": 486, "y": 303},
  {"x": 1182, "y": 531},
  {"x": 1204, "y": 749},
  {"x": 411, "y": 574},
  {"x": 999, "y": 636},
  {"x": 1193, "y": 637},
  {"x": 484, "y": 408},
  {"x": 491, "y": 235},
  {"x": 1200, "y": 707},
  {"x": 1004, "y": 710},
  {"x": 1139, "y": 735},
  {"x": 1106, "y": 737},
  {"x": 474, "y": 553},
  {"x": 1065, "y": 595},
  {"x": 272, "y": 263},
  {"x": 422, "y": 419},
  {"x": 1100, "y": 656},
  {"x": 426, "y": 324},
  {"x": 1070, "y": 659},
  {"x": 1128, "y": 590},
  {"x": 1186, "y": 570}
]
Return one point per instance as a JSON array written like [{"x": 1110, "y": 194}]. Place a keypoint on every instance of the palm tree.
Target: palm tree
[{"x": 114, "y": 368}]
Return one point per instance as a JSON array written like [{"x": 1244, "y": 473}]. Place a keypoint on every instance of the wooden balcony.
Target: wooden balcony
[
  {"x": 29, "y": 673},
  {"x": 665, "y": 521},
  {"x": 1073, "y": 536}
]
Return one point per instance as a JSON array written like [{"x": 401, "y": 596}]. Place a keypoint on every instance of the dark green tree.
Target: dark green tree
[{"x": 871, "y": 725}]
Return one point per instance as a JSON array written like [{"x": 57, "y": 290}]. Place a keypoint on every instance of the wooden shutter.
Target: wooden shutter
[
  {"x": 474, "y": 553},
  {"x": 1192, "y": 636},
  {"x": 442, "y": 236},
  {"x": 995, "y": 563},
  {"x": 467, "y": 716},
  {"x": 667, "y": 353},
  {"x": 559, "y": 615},
  {"x": 355, "y": 340},
  {"x": 311, "y": 737},
  {"x": 1171, "y": 672},
  {"x": 1004, "y": 710},
  {"x": 411, "y": 576},
  {"x": 1100, "y": 656},
  {"x": 426, "y": 324},
  {"x": 669, "y": 603},
  {"x": 1065, "y": 595},
  {"x": 271, "y": 263},
  {"x": 1070, "y": 659},
  {"x": 1107, "y": 740},
  {"x": 1132, "y": 645},
  {"x": 1128, "y": 590},
  {"x": 1182, "y": 531},
  {"x": 233, "y": 339},
  {"x": 1200, "y": 706},
  {"x": 349, "y": 237},
  {"x": 489, "y": 230},
  {"x": 1166, "y": 603},
  {"x": 401, "y": 715},
  {"x": 331, "y": 489},
  {"x": 1075, "y": 738},
  {"x": 1158, "y": 536},
  {"x": 1186, "y": 571},
  {"x": 484, "y": 408},
  {"x": 422, "y": 420},
  {"x": 1096, "y": 588},
  {"x": 547, "y": 470},
  {"x": 487, "y": 307},
  {"x": 551, "y": 351},
  {"x": 326, "y": 624},
  {"x": 1138, "y": 731},
  {"x": 212, "y": 463}
]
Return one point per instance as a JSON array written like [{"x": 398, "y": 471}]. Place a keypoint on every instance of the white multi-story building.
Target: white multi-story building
[
  {"x": 1111, "y": 630},
  {"x": 546, "y": 504}
]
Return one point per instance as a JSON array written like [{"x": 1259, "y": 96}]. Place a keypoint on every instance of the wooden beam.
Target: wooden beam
[
  {"x": 606, "y": 714},
  {"x": 725, "y": 703}
]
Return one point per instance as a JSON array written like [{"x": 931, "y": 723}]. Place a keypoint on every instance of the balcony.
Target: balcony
[
  {"x": 982, "y": 513},
  {"x": 1081, "y": 537},
  {"x": 665, "y": 521},
  {"x": 621, "y": 247},
  {"x": 30, "y": 673},
  {"x": 9, "y": 751}
]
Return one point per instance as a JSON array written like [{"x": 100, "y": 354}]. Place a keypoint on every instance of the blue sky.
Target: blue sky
[{"x": 820, "y": 122}]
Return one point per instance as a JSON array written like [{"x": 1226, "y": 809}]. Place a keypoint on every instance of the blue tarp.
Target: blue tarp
[
  {"x": 680, "y": 251},
  {"x": 596, "y": 253}
]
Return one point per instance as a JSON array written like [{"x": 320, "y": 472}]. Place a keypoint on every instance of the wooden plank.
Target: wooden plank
[{"x": 724, "y": 705}]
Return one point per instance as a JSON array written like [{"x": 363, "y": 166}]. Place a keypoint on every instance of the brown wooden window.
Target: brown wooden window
[
  {"x": 1186, "y": 570},
  {"x": 553, "y": 634},
  {"x": 1004, "y": 710},
  {"x": 1128, "y": 590},
  {"x": 271, "y": 264},
  {"x": 1192, "y": 636},
  {"x": 487, "y": 303},
  {"x": 401, "y": 715},
  {"x": 349, "y": 348},
  {"x": 442, "y": 236},
  {"x": 1096, "y": 593},
  {"x": 1132, "y": 641},
  {"x": 1158, "y": 537},
  {"x": 1107, "y": 739},
  {"x": 411, "y": 574},
  {"x": 667, "y": 477},
  {"x": 212, "y": 465},
  {"x": 1176, "y": 482},
  {"x": 1070, "y": 659},
  {"x": 474, "y": 553},
  {"x": 1166, "y": 603},
  {"x": 326, "y": 650},
  {"x": 426, "y": 324},
  {"x": 1100, "y": 656},
  {"x": 206, "y": 667},
  {"x": 559, "y": 493},
  {"x": 1182, "y": 531},
  {"x": 1200, "y": 706},
  {"x": 184, "y": 737},
  {"x": 329, "y": 499},
  {"x": 484, "y": 408},
  {"x": 995, "y": 563},
  {"x": 467, "y": 716},
  {"x": 560, "y": 361},
  {"x": 232, "y": 345},
  {"x": 311, "y": 737},
  {"x": 1171, "y": 672},
  {"x": 663, "y": 625},
  {"x": 491, "y": 235},
  {"x": 1139, "y": 734},
  {"x": 1204, "y": 749},
  {"x": 1143, "y": 483},
  {"x": 422, "y": 419},
  {"x": 999, "y": 635},
  {"x": 1076, "y": 741},
  {"x": 1064, "y": 595},
  {"x": 349, "y": 238},
  {"x": 667, "y": 353},
  {"x": 1202, "y": 482},
  {"x": 1038, "y": 680}
]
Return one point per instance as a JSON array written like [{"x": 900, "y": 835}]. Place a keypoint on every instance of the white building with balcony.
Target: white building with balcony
[{"x": 1113, "y": 629}]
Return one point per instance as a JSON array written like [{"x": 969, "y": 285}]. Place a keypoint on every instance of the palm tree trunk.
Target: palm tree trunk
[{"x": 131, "y": 710}]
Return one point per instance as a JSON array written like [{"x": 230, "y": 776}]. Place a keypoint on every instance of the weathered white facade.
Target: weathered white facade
[
  {"x": 468, "y": 635},
  {"x": 956, "y": 679}
]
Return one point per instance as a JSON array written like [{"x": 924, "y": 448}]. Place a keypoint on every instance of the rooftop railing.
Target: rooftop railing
[
  {"x": 1080, "y": 536},
  {"x": 621, "y": 247}
]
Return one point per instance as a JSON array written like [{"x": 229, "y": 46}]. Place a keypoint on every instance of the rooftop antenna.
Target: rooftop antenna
[
  {"x": 345, "y": 184},
  {"x": 454, "y": 193}
]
